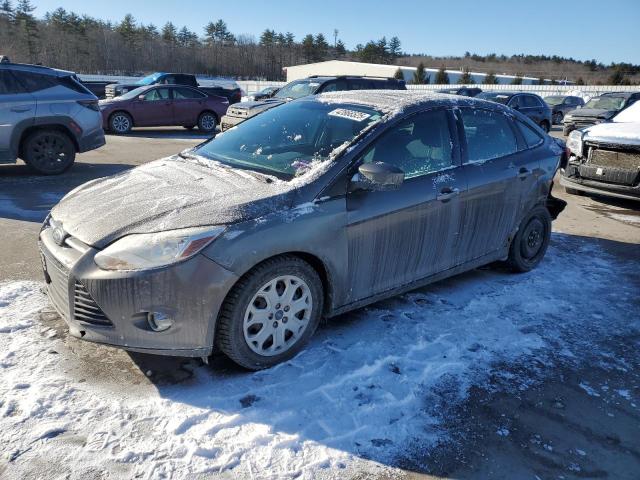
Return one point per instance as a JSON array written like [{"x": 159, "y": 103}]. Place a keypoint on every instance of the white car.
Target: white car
[{"x": 605, "y": 158}]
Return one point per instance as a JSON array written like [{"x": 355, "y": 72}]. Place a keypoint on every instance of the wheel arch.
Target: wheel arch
[
  {"x": 58, "y": 127},
  {"x": 209, "y": 110}
]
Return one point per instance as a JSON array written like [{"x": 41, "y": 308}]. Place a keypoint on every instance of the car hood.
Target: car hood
[
  {"x": 258, "y": 104},
  {"x": 592, "y": 112},
  {"x": 168, "y": 194},
  {"x": 615, "y": 133}
]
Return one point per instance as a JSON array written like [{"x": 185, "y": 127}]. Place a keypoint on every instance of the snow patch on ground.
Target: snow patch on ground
[{"x": 356, "y": 399}]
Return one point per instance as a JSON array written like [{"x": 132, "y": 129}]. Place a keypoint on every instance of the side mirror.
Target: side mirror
[
  {"x": 141, "y": 98},
  {"x": 377, "y": 177}
]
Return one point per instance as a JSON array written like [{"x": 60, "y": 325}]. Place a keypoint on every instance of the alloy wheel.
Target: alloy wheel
[
  {"x": 207, "y": 122},
  {"x": 277, "y": 315},
  {"x": 120, "y": 123},
  {"x": 49, "y": 152}
]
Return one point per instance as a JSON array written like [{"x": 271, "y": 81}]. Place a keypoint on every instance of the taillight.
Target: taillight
[{"x": 90, "y": 104}]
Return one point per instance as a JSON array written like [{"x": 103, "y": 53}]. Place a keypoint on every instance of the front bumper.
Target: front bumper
[
  {"x": 111, "y": 307},
  {"x": 569, "y": 180},
  {"x": 228, "y": 122}
]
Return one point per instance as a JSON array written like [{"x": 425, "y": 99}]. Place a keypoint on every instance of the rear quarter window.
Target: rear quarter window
[{"x": 531, "y": 137}]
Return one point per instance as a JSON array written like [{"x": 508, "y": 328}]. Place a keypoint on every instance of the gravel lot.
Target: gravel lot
[{"x": 566, "y": 406}]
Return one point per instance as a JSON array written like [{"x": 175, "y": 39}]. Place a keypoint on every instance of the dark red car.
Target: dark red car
[{"x": 163, "y": 105}]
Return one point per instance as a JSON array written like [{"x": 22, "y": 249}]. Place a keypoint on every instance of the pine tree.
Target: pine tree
[
  {"x": 321, "y": 47},
  {"x": 308, "y": 48},
  {"x": 466, "y": 77},
  {"x": 490, "y": 79},
  {"x": 6, "y": 10},
  {"x": 169, "y": 33},
  {"x": 128, "y": 29},
  {"x": 419, "y": 76},
  {"x": 394, "y": 48},
  {"x": 27, "y": 27},
  {"x": 442, "y": 78},
  {"x": 341, "y": 50},
  {"x": 267, "y": 38},
  {"x": 398, "y": 75}
]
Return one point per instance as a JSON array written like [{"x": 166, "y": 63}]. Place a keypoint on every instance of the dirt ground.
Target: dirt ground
[{"x": 553, "y": 426}]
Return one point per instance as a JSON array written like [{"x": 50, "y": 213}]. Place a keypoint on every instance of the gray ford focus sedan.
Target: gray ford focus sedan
[{"x": 308, "y": 210}]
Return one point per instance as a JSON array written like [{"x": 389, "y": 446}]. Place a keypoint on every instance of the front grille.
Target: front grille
[
  {"x": 85, "y": 309},
  {"x": 57, "y": 278},
  {"x": 620, "y": 168},
  {"x": 609, "y": 158}
]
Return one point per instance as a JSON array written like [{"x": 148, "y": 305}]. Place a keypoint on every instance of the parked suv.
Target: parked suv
[
  {"x": 46, "y": 117},
  {"x": 307, "y": 86},
  {"x": 598, "y": 110},
  {"x": 561, "y": 105},
  {"x": 528, "y": 104}
]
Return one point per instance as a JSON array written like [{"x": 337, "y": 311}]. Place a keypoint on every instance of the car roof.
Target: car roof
[
  {"x": 396, "y": 101},
  {"x": 26, "y": 67},
  {"x": 618, "y": 94}
]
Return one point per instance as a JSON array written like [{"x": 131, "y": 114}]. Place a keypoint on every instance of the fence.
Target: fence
[{"x": 252, "y": 86}]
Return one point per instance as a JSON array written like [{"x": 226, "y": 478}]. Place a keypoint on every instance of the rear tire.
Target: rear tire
[
  {"x": 120, "y": 123},
  {"x": 531, "y": 241},
  {"x": 49, "y": 152},
  {"x": 207, "y": 122},
  {"x": 271, "y": 313}
]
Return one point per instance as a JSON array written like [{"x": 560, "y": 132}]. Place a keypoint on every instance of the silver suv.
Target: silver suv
[{"x": 46, "y": 117}]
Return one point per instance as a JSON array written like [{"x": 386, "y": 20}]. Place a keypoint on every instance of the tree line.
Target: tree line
[
  {"x": 84, "y": 44},
  {"x": 81, "y": 43}
]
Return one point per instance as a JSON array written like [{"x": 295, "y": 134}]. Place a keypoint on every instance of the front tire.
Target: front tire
[
  {"x": 531, "y": 241},
  {"x": 49, "y": 152},
  {"x": 120, "y": 123},
  {"x": 271, "y": 313},
  {"x": 544, "y": 125},
  {"x": 207, "y": 122},
  {"x": 557, "y": 118}
]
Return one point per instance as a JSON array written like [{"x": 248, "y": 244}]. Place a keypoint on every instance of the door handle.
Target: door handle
[
  {"x": 20, "y": 109},
  {"x": 523, "y": 173},
  {"x": 447, "y": 193}
]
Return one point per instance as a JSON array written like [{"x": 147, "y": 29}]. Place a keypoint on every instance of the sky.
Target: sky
[{"x": 583, "y": 29}]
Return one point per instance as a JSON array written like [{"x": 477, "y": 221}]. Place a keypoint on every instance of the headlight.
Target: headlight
[
  {"x": 142, "y": 251},
  {"x": 574, "y": 143}
]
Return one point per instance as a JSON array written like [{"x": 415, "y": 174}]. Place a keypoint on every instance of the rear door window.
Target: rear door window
[
  {"x": 419, "y": 145},
  {"x": 530, "y": 101},
  {"x": 489, "y": 135},
  {"x": 35, "y": 82},
  {"x": 157, "y": 94},
  {"x": 9, "y": 84}
]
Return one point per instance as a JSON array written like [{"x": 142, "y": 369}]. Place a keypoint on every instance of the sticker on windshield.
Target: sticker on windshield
[{"x": 354, "y": 115}]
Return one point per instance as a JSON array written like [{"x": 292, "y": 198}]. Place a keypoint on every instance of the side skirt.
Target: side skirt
[{"x": 465, "y": 267}]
